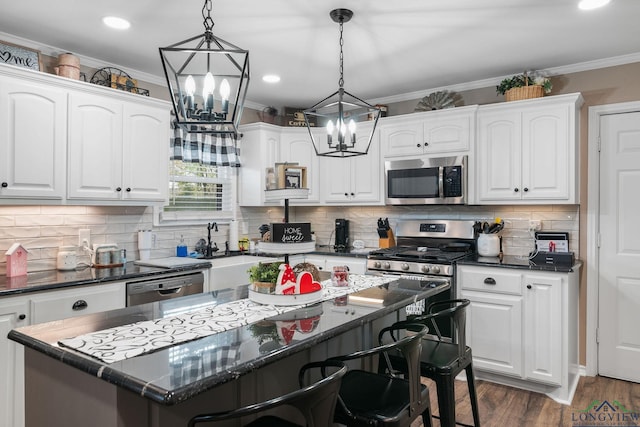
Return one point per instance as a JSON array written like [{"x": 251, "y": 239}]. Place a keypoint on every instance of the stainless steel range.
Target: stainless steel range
[{"x": 425, "y": 250}]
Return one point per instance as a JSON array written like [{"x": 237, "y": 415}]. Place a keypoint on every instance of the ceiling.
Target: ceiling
[{"x": 391, "y": 48}]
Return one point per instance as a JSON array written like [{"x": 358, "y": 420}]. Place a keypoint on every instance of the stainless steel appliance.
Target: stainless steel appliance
[
  {"x": 164, "y": 287},
  {"x": 426, "y": 250},
  {"x": 342, "y": 235},
  {"x": 426, "y": 180}
]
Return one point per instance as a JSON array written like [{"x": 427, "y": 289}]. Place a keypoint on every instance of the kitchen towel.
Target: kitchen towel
[{"x": 123, "y": 342}]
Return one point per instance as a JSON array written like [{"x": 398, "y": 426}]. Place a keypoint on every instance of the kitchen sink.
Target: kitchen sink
[{"x": 229, "y": 272}]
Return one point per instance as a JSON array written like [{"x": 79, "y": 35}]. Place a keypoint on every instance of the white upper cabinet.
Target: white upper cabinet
[
  {"x": 259, "y": 148},
  {"x": 118, "y": 150},
  {"x": 296, "y": 147},
  {"x": 433, "y": 132},
  {"x": 72, "y": 142},
  {"x": 354, "y": 180},
  {"x": 527, "y": 151},
  {"x": 33, "y": 134}
]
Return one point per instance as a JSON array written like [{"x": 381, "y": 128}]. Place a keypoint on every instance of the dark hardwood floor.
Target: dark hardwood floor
[{"x": 502, "y": 406}]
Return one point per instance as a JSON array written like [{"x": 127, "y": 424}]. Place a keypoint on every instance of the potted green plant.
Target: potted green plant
[
  {"x": 524, "y": 86},
  {"x": 263, "y": 276}
]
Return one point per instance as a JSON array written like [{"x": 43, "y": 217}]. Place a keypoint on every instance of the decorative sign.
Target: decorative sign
[
  {"x": 291, "y": 232},
  {"x": 20, "y": 56}
]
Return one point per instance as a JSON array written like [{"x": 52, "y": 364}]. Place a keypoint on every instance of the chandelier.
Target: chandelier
[
  {"x": 208, "y": 79},
  {"x": 340, "y": 113}
]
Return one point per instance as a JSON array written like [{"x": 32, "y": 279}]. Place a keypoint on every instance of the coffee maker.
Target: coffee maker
[{"x": 342, "y": 235}]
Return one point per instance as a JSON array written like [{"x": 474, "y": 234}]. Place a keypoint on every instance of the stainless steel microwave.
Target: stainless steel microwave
[{"x": 426, "y": 181}]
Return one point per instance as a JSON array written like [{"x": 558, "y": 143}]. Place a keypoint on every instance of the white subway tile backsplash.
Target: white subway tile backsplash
[{"x": 42, "y": 229}]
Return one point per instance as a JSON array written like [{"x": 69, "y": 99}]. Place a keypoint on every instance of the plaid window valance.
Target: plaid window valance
[{"x": 204, "y": 148}]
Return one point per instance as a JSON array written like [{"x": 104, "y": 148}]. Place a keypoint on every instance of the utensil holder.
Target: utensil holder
[{"x": 387, "y": 242}]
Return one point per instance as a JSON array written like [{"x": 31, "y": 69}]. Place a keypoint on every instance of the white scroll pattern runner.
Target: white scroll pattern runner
[{"x": 123, "y": 342}]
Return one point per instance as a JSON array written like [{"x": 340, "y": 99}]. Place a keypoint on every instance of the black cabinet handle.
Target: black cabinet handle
[
  {"x": 5, "y": 185},
  {"x": 346, "y": 195},
  {"x": 525, "y": 189},
  {"x": 352, "y": 194},
  {"x": 22, "y": 316},
  {"x": 426, "y": 144},
  {"x": 528, "y": 286},
  {"x": 118, "y": 189},
  {"x": 79, "y": 305},
  {"x": 128, "y": 189},
  {"x": 516, "y": 189},
  {"x": 418, "y": 145},
  {"x": 489, "y": 281}
]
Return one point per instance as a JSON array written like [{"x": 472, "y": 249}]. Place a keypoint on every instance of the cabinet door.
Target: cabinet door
[
  {"x": 499, "y": 153},
  {"x": 14, "y": 313},
  {"x": 259, "y": 147},
  {"x": 296, "y": 147},
  {"x": 56, "y": 305},
  {"x": 543, "y": 328},
  {"x": 366, "y": 172},
  {"x": 546, "y": 163},
  {"x": 402, "y": 139},
  {"x": 494, "y": 332},
  {"x": 95, "y": 147},
  {"x": 145, "y": 153},
  {"x": 445, "y": 134},
  {"x": 33, "y": 136}
]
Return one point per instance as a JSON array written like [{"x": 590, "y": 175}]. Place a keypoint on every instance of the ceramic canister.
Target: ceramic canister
[{"x": 488, "y": 245}]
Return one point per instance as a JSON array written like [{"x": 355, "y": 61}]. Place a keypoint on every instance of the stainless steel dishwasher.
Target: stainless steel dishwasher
[{"x": 160, "y": 288}]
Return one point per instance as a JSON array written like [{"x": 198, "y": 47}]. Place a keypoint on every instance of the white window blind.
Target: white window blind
[{"x": 198, "y": 192}]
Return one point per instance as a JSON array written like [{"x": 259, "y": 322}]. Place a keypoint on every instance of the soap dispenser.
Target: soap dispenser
[{"x": 181, "y": 249}]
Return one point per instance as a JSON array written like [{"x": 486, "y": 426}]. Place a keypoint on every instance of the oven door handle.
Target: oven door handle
[{"x": 441, "y": 181}]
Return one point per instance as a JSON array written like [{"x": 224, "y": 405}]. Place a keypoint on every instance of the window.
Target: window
[{"x": 198, "y": 193}]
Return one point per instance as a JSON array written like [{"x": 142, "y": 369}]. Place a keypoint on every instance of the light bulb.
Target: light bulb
[
  {"x": 190, "y": 85},
  {"x": 352, "y": 127},
  {"x": 330, "y": 127},
  {"x": 343, "y": 127},
  {"x": 225, "y": 90},
  {"x": 207, "y": 91},
  {"x": 209, "y": 85}
]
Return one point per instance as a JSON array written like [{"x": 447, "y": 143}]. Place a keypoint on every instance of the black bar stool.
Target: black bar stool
[
  {"x": 315, "y": 402},
  {"x": 385, "y": 399},
  {"x": 442, "y": 361}
]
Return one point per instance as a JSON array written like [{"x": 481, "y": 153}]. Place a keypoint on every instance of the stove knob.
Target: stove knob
[
  {"x": 435, "y": 269},
  {"x": 377, "y": 264},
  {"x": 387, "y": 265},
  {"x": 425, "y": 268},
  {"x": 405, "y": 266}
]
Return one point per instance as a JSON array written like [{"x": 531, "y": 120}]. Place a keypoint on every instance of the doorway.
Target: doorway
[{"x": 613, "y": 253}]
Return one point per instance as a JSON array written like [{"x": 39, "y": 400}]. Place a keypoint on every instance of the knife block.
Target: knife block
[{"x": 387, "y": 242}]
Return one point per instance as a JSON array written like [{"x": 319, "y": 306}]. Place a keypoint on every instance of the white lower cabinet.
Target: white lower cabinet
[
  {"x": 35, "y": 308},
  {"x": 56, "y": 305},
  {"x": 522, "y": 327},
  {"x": 14, "y": 313}
]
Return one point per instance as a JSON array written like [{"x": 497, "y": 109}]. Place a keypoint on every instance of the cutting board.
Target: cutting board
[{"x": 171, "y": 262}]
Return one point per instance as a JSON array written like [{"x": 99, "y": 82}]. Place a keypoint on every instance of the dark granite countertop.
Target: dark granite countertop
[
  {"x": 177, "y": 373},
  {"x": 54, "y": 279},
  {"x": 510, "y": 261}
]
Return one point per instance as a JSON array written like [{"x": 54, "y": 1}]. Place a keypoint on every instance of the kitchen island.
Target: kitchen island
[{"x": 221, "y": 371}]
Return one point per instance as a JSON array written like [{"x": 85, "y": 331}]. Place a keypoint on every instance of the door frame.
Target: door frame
[{"x": 593, "y": 225}]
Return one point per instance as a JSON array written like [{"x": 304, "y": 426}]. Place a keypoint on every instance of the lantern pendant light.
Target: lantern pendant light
[
  {"x": 341, "y": 113},
  {"x": 202, "y": 74}
]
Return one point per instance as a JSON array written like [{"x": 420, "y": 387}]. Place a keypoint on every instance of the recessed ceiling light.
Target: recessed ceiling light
[
  {"x": 592, "y": 4},
  {"x": 116, "y": 23},
  {"x": 270, "y": 78}
]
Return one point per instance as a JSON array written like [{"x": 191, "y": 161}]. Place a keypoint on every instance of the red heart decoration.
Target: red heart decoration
[
  {"x": 306, "y": 284},
  {"x": 287, "y": 330}
]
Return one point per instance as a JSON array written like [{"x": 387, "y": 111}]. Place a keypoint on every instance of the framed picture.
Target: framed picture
[{"x": 20, "y": 56}]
